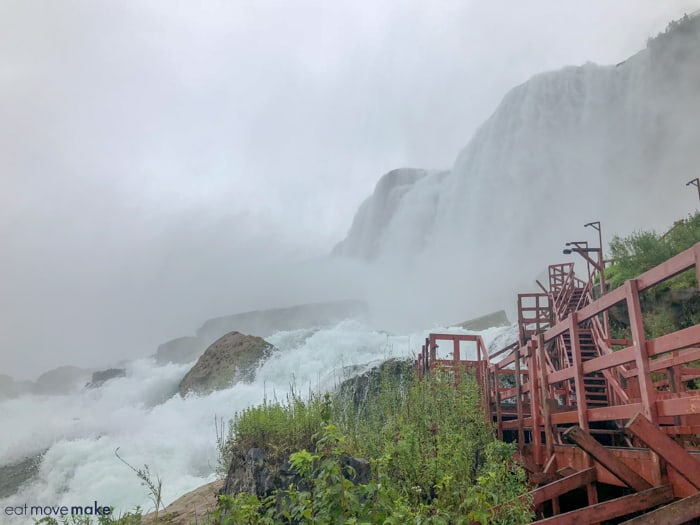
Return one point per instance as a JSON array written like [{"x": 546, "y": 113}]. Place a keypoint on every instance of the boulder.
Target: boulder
[{"x": 230, "y": 359}]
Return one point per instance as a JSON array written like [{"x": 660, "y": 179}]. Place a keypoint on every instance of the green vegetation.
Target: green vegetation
[
  {"x": 670, "y": 305},
  {"x": 433, "y": 459},
  {"x": 641, "y": 251}
]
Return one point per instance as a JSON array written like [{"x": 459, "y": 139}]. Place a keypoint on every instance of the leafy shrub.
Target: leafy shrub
[
  {"x": 434, "y": 459},
  {"x": 641, "y": 251}
]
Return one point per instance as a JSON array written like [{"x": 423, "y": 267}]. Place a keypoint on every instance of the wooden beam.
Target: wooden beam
[
  {"x": 674, "y": 513},
  {"x": 667, "y": 269},
  {"x": 560, "y": 375},
  {"x": 562, "y": 486},
  {"x": 681, "y": 338},
  {"x": 613, "y": 508},
  {"x": 550, "y": 468},
  {"x": 606, "y": 361},
  {"x": 606, "y": 301},
  {"x": 606, "y": 458},
  {"x": 664, "y": 446}
]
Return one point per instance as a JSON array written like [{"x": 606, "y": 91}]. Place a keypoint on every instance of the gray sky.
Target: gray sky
[{"x": 158, "y": 156}]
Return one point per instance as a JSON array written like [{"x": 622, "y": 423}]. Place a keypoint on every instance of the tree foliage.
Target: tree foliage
[{"x": 641, "y": 251}]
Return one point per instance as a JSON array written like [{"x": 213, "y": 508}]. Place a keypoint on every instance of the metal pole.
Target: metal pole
[
  {"x": 695, "y": 182},
  {"x": 601, "y": 269}
]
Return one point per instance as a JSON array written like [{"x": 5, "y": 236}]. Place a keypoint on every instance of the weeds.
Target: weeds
[
  {"x": 155, "y": 488},
  {"x": 433, "y": 458}
]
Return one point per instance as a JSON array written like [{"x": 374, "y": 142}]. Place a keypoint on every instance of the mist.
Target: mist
[{"x": 165, "y": 163}]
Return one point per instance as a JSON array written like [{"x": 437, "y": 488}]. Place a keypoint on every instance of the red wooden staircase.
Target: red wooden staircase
[{"x": 638, "y": 396}]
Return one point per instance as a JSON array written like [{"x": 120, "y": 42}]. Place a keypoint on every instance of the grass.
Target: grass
[{"x": 433, "y": 458}]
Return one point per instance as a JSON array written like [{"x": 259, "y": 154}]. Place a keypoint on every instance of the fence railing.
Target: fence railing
[
  {"x": 535, "y": 391},
  {"x": 647, "y": 375}
]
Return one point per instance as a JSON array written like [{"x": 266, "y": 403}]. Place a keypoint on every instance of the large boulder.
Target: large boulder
[{"x": 230, "y": 359}]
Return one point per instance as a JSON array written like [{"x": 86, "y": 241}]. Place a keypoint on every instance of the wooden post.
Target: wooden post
[
  {"x": 486, "y": 375},
  {"x": 581, "y": 404},
  {"x": 497, "y": 387},
  {"x": 535, "y": 399},
  {"x": 544, "y": 391},
  {"x": 519, "y": 401},
  {"x": 646, "y": 388}
]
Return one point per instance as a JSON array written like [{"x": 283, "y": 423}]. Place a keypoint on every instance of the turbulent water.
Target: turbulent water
[{"x": 142, "y": 415}]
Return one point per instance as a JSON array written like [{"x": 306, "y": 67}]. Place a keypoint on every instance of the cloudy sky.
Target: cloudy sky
[{"x": 156, "y": 155}]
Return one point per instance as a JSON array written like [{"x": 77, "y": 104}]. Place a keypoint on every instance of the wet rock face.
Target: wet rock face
[
  {"x": 363, "y": 386},
  {"x": 101, "y": 376},
  {"x": 9, "y": 388},
  {"x": 61, "y": 381},
  {"x": 230, "y": 359},
  {"x": 257, "y": 473},
  {"x": 498, "y": 318},
  {"x": 14, "y": 475},
  {"x": 180, "y": 351}
]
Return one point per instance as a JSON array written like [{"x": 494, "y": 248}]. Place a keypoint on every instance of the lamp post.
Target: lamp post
[
  {"x": 695, "y": 182},
  {"x": 601, "y": 261},
  {"x": 581, "y": 247}
]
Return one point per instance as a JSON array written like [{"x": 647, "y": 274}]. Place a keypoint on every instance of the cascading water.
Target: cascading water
[
  {"x": 143, "y": 416},
  {"x": 614, "y": 144}
]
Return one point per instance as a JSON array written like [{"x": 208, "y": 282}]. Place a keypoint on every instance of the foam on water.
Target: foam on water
[{"x": 142, "y": 415}]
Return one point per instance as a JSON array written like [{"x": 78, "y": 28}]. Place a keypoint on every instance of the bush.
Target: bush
[
  {"x": 641, "y": 251},
  {"x": 434, "y": 459}
]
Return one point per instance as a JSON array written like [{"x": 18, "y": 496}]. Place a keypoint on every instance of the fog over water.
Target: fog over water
[{"x": 164, "y": 163}]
